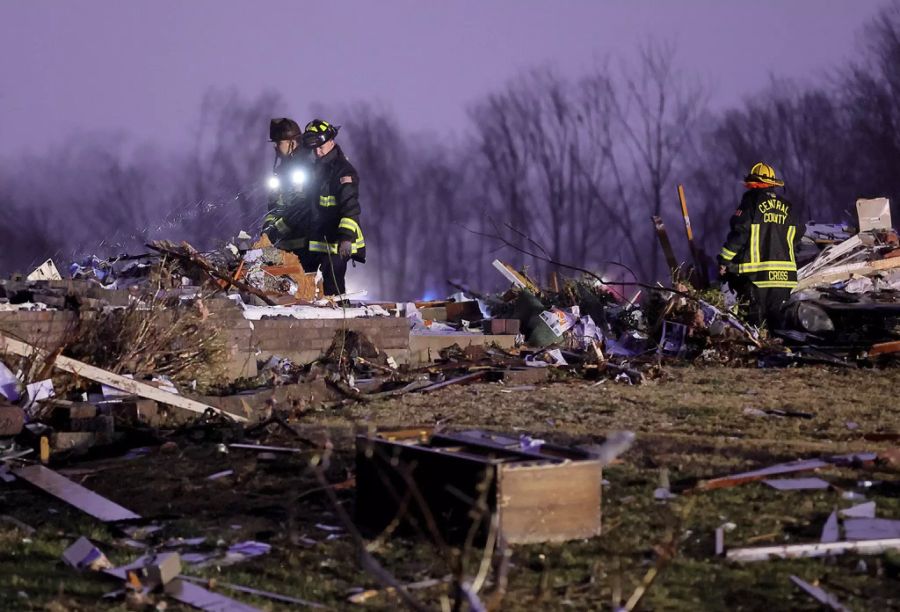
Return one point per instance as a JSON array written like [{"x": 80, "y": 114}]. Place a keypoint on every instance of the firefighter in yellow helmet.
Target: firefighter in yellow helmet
[
  {"x": 335, "y": 235},
  {"x": 758, "y": 257}
]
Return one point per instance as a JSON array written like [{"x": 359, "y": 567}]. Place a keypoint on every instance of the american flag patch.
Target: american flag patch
[
  {"x": 738, "y": 212},
  {"x": 346, "y": 179}
]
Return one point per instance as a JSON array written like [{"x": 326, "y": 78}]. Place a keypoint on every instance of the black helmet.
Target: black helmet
[
  {"x": 283, "y": 128},
  {"x": 318, "y": 132}
]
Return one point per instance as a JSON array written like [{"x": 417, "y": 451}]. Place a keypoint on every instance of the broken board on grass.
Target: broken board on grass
[
  {"x": 804, "y": 465},
  {"x": 538, "y": 492},
  {"x": 134, "y": 387},
  {"x": 74, "y": 494},
  {"x": 821, "y": 549}
]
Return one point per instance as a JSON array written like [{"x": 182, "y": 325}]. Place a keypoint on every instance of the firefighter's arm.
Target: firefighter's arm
[
  {"x": 348, "y": 206},
  {"x": 274, "y": 224},
  {"x": 798, "y": 236},
  {"x": 738, "y": 235}
]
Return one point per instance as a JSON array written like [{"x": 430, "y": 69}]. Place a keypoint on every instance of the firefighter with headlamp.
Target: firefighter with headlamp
[{"x": 288, "y": 218}]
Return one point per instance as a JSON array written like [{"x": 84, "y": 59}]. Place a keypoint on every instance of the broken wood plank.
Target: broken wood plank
[
  {"x": 822, "y": 549},
  {"x": 134, "y": 387},
  {"x": 664, "y": 241},
  {"x": 819, "y": 594},
  {"x": 846, "y": 272},
  {"x": 198, "y": 597},
  {"x": 782, "y": 468},
  {"x": 74, "y": 494},
  {"x": 192, "y": 256},
  {"x": 270, "y": 449},
  {"x": 885, "y": 348},
  {"x": 256, "y": 592},
  {"x": 700, "y": 271},
  {"x": 515, "y": 277},
  {"x": 455, "y": 381}
]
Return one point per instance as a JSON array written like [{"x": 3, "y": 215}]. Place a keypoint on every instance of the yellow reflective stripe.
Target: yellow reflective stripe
[
  {"x": 754, "y": 243},
  {"x": 349, "y": 224},
  {"x": 327, "y": 201},
  {"x": 781, "y": 284},
  {"x": 792, "y": 231},
  {"x": 325, "y": 247},
  {"x": 767, "y": 266},
  {"x": 281, "y": 226},
  {"x": 727, "y": 255},
  {"x": 322, "y": 247}
]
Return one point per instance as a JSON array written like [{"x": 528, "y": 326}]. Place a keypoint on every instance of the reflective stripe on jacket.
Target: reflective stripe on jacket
[{"x": 763, "y": 238}]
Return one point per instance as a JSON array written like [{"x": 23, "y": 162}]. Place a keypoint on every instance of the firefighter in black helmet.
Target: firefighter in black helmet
[
  {"x": 758, "y": 257},
  {"x": 336, "y": 236},
  {"x": 287, "y": 222}
]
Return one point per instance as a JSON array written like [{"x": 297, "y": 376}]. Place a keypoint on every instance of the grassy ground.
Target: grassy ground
[{"x": 692, "y": 423}]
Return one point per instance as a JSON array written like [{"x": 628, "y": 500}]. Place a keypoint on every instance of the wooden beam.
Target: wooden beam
[
  {"x": 134, "y": 387},
  {"x": 820, "y": 549},
  {"x": 665, "y": 243}
]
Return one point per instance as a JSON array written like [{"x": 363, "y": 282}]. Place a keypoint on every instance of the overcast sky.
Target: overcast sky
[{"x": 143, "y": 65}]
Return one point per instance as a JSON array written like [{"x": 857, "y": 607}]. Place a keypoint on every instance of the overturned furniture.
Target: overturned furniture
[{"x": 454, "y": 482}]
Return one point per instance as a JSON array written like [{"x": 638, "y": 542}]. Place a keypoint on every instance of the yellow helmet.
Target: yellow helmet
[{"x": 763, "y": 173}]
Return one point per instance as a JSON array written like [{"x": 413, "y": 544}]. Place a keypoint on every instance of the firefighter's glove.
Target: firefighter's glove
[
  {"x": 345, "y": 249},
  {"x": 276, "y": 229},
  {"x": 723, "y": 270}
]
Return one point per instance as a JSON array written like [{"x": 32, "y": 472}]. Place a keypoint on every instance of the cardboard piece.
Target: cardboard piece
[
  {"x": 874, "y": 214},
  {"x": 84, "y": 555}
]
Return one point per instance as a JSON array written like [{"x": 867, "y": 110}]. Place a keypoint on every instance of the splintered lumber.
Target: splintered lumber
[
  {"x": 256, "y": 592},
  {"x": 700, "y": 270},
  {"x": 515, "y": 277},
  {"x": 192, "y": 256},
  {"x": 819, "y": 594},
  {"x": 664, "y": 241},
  {"x": 846, "y": 272},
  {"x": 74, "y": 494},
  {"x": 198, "y": 597},
  {"x": 467, "y": 378},
  {"x": 822, "y": 549},
  {"x": 765, "y": 473},
  {"x": 885, "y": 348},
  {"x": 133, "y": 387}
]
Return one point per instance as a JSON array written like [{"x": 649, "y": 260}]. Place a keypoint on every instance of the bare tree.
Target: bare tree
[{"x": 657, "y": 110}]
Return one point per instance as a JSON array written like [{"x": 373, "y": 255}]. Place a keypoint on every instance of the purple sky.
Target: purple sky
[{"x": 143, "y": 65}]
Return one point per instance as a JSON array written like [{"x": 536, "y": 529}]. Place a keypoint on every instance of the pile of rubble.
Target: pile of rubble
[{"x": 847, "y": 300}]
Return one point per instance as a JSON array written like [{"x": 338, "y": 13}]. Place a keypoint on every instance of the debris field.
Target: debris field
[{"x": 187, "y": 430}]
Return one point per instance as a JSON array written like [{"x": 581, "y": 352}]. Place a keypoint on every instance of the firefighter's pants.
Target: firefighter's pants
[
  {"x": 764, "y": 304},
  {"x": 334, "y": 268}
]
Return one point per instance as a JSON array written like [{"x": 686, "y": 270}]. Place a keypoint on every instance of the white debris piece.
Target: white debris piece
[
  {"x": 46, "y": 271},
  {"x": 255, "y": 313}
]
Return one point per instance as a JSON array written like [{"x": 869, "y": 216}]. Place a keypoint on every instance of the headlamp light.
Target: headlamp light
[
  {"x": 298, "y": 177},
  {"x": 274, "y": 183}
]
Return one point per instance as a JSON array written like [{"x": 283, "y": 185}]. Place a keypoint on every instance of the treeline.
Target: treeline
[{"x": 568, "y": 170}]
